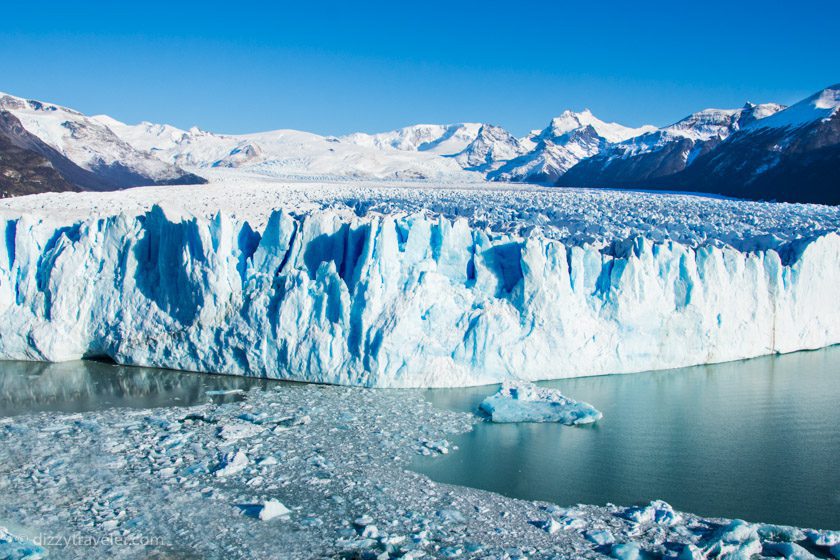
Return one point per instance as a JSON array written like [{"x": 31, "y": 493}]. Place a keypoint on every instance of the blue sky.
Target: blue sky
[{"x": 337, "y": 67}]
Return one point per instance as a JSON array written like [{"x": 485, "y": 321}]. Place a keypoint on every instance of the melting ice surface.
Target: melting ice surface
[{"x": 526, "y": 402}]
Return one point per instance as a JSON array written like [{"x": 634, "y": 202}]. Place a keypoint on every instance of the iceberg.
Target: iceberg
[
  {"x": 398, "y": 299},
  {"x": 525, "y": 402}
]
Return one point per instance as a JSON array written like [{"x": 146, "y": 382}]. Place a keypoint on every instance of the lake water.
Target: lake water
[
  {"x": 87, "y": 385},
  {"x": 756, "y": 439}
]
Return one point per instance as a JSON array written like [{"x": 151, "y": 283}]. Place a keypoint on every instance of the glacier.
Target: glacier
[{"x": 414, "y": 299}]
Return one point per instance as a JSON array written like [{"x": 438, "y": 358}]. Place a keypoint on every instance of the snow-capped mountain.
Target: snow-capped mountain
[
  {"x": 439, "y": 139},
  {"x": 665, "y": 151},
  {"x": 793, "y": 155},
  {"x": 758, "y": 151},
  {"x": 492, "y": 146},
  {"x": 569, "y": 122},
  {"x": 292, "y": 153},
  {"x": 25, "y": 167},
  {"x": 92, "y": 146},
  {"x": 568, "y": 139}
]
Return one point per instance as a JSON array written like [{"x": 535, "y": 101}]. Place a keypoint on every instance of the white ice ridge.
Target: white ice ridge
[{"x": 398, "y": 300}]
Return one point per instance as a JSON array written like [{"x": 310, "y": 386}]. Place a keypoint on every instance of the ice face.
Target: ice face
[
  {"x": 398, "y": 300},
  {"x": 525, "y": 402}
]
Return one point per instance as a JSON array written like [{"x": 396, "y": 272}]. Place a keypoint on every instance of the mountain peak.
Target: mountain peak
[
  {"x": 569, "y": 121},
  {"x": 820, "y": 106},
  {"x": 829, "y": 98}
]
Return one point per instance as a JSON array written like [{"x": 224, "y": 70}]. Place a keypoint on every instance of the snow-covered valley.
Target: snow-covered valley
[{"x": 412, "y": 286}]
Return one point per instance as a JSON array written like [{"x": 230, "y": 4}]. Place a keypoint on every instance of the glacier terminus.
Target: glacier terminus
[{"x": 356, "y": 284}]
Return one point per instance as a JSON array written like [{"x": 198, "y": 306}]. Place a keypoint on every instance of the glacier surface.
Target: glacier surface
[{"x": 380, "y": 287}]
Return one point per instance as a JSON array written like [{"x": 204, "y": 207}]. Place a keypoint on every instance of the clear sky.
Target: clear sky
[{"x": 337, "y": 67}]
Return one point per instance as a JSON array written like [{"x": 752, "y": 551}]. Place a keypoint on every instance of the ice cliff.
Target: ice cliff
[{"x": 389, "y": 300}]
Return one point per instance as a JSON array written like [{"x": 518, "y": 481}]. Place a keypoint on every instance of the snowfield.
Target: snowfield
[
  {"x": 411, "y": 285},
  {"x": 305, "y": 471}
]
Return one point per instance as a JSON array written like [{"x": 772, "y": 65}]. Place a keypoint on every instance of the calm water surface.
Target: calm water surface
[
  {"x": 87, "y": 385},
  {"x": 757, "y": 440}
]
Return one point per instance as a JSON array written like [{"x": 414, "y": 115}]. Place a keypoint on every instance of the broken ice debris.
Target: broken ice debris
[
  {"x": 265, "y": 511},
  {"x": 232, "y": 462},
  {"x": 272, "y": 509},
  {"x": 13, "y": 547},
  {"x": 525, "y": 402},
  {"x": 600, "y": 537},
  {"x": 657, "y": 511}
]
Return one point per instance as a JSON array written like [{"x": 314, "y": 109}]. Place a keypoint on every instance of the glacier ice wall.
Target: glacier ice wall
[{"x": 398, "y": 300}]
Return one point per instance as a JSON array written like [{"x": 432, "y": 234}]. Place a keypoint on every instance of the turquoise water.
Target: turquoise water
[{"x": 756, "y": 439}]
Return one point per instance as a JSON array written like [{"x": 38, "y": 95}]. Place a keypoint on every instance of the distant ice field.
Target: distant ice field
[{"x": 574, "y": 216}]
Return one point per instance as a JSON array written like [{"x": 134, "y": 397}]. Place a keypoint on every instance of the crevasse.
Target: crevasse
[{"x": 398, "y": 301}]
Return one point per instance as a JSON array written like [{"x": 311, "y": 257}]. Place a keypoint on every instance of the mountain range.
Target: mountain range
[{"x": 765, "y": 151}]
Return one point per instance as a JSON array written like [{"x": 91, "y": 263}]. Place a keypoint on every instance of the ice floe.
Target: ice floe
[{"x": 526, "y": 402}]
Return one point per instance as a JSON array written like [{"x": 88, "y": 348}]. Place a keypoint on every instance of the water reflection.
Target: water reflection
[
  {"x": 756, "y": 439},
  {"x": 89, "y": 385}
]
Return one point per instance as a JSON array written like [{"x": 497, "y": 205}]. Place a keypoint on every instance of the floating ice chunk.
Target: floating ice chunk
[
  {"x": 525, "y": 402},
  {"x": 626, "y": 551},
  {"x": 232, "y": 463},
  {"x": 370, "y": 532},
  {"x": 363, "y": 521},
  {"x": 290, "y": 422},
  {"x": 272, "y": 509},
  {"x": 780, "y": 533},
  {"x": 572, "y": 523},
  {"x": 450, "y": 515},
  {"x": 600, "y": 537},
  {"x": 238, "y": 430},
  {"x": 427, "y": 447},
  {"x": 267, "y": 461},
  {"x": 738, "y": 539},
  {"x": 657, "y": 511},
  {"x": 691, "y": 552},
  {"x": 823, "y": 538},
  {"x": 550, "y": 525},
  {"x": 787, "y": 550}
]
